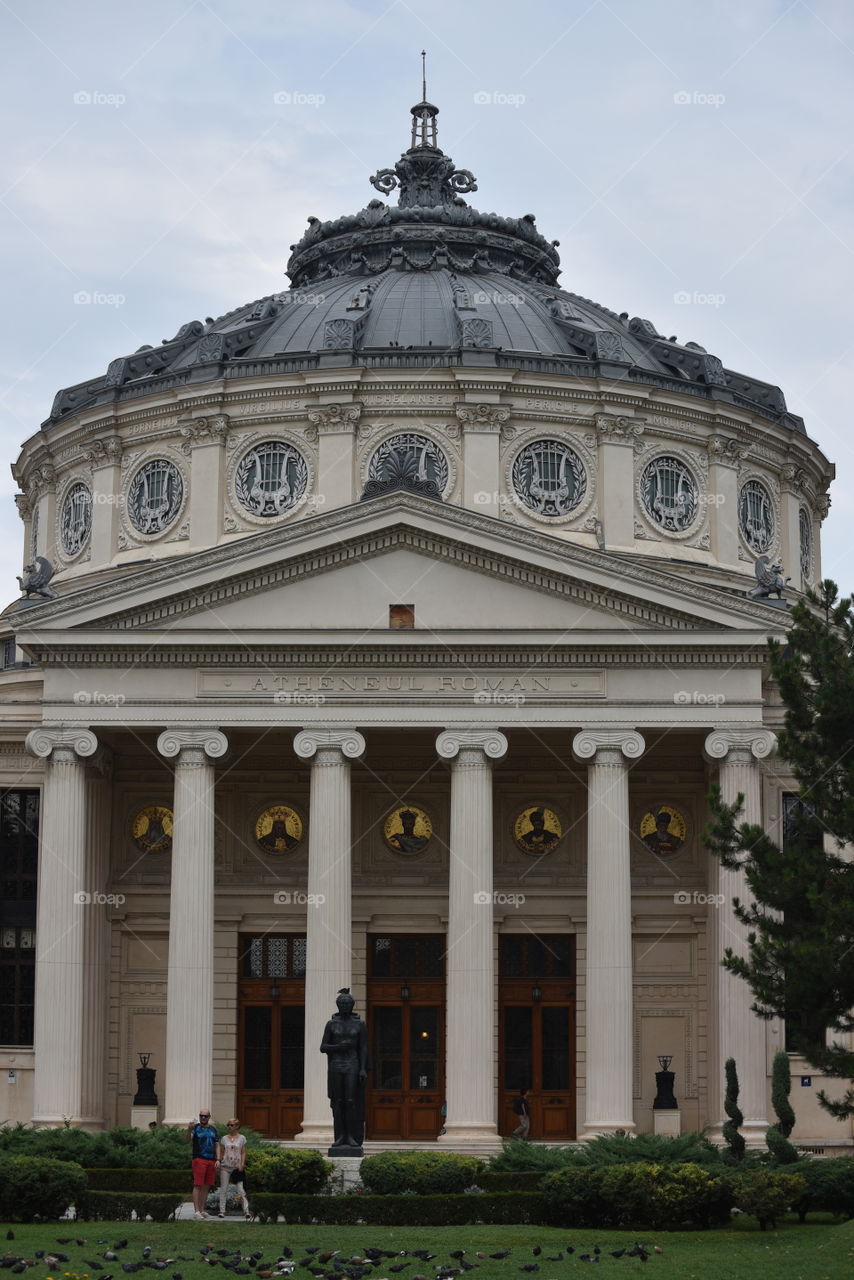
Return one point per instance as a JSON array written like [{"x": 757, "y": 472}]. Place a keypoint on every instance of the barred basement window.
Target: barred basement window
[{"x": 19, "y": 840}]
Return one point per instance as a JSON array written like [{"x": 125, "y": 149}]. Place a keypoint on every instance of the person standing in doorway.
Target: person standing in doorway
[
  {"x": 232, "y": 1163},
  {"x": 522, "y": 1109},
  {"x": 205, "y": 1139}
]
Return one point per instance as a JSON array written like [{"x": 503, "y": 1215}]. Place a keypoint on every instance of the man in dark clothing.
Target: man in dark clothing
[
  {"x": 204, "y": 1138},
  {"x": 523, "y": 1111}
]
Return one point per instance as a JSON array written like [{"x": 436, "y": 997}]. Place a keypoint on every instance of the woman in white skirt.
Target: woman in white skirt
[{"x": 232, "y": 1159}]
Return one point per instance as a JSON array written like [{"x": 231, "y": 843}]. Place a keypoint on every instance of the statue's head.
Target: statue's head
[
  {"x": 662, "y": 820},
  {"x": 407, "y": 821},
  {"x": 345, "y": 1001}
]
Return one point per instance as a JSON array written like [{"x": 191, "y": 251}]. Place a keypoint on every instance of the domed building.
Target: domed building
[{"x": 387, "y": 633}]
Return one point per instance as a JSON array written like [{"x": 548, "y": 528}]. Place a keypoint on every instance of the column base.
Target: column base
[
  {"x": 458, "y": 1135},
  {"x": 753, "y": 1132},
  {"x": 320, "y": 1136},
  {"x": 612, "y": 1128}
]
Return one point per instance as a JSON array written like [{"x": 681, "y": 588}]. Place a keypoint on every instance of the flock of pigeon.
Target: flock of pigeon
[{"x": 322, "y": 1264}]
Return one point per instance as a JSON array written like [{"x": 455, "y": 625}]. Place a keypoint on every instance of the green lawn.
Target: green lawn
[{"x": 810, "y": 1252}]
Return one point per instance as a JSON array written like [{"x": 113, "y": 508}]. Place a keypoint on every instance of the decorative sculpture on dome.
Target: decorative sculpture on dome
[
  {"x": 36, "y": 579},
  {"x": 426, "y": 176},
  {"x": 769, "y": 581}
]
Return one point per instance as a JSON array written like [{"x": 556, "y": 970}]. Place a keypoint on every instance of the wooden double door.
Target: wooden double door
[
  {"x": 406, "y": 1085},
  {"x": 271, "y": 1033},
  {"x": 537, "y": 1039}
]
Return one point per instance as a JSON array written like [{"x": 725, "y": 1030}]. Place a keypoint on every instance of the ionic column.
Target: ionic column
[
  {"x": 609, "y": 1051},
  {"x": 63, "y": 899},
  {"x": 204, "y": 443},
  {"x": 329, "y": 962},
  {"x": 96, "y": 945},
  {"x": 470, "y": 997},
  {"x": 618, "y": 438},
  {"x": 105, "y": 458},
  {"x": 738, "y": 1032},
  {"x": 336, "y": 426},
  {"x": 190, "y": 978}
]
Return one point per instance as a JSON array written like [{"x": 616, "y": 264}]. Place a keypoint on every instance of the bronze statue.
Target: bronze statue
[
  {"x": 345, "y": 1042},
  {"x": 36, "y": 579}
]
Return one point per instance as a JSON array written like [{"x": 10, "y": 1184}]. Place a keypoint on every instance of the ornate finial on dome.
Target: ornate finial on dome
[
  {"x": 424, "y": 127},
  {"x": 425, "y": 175}
]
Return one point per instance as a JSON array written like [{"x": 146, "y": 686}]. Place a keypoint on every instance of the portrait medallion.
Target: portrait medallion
[
  {"x": 278, "y": 829},
  {"x": 407, "y": 829},
  {"x": 663, "y": 830},
  {"x": 151, "y": 829},
  {"x": 537, "y": 830}
]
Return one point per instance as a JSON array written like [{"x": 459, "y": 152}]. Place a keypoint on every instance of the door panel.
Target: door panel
[
  {"x": 270, "y": 1067},
  {"x": 538, "y": 1051},
  {"x": 405, "y": 1089}
]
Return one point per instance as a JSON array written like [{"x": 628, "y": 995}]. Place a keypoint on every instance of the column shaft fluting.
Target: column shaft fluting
[
  {"x": 470, "y": 962},
  {"x": 329, "y": 916},
  {"x": 609, "y": 996},
  {"x": 190, "y": 978},
  {"x": 739, "y": 1033},
  {"x": 64, "y": 898}
]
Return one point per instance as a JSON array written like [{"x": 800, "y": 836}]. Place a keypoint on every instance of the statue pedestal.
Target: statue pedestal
[
  {"x": 667, "y": 1123},
  {"x": 336, "y": 1153},
  {"x": 142, "y": 1117}
]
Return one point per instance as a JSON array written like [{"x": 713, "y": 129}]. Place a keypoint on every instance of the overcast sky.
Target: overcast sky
[{"x": 161, "y": 158}]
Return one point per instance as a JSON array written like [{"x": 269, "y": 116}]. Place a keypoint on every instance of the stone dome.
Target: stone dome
[{"x": 430, "y": 282}]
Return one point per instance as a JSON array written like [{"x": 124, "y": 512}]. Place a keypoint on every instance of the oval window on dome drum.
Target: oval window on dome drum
[
  {"x": 75, "y": 523},
  {"x": 756, "y": 516},
  {"x": 669, "y": 493},
  {"x": 156, "y": 495},
  {"x": 409, "y": 461},
  {"x": 271, "y": 478},
  {"x": 549, "y": 478}
]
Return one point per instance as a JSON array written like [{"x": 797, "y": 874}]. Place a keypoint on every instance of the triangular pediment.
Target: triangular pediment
[{"x": 342, "y": 571}]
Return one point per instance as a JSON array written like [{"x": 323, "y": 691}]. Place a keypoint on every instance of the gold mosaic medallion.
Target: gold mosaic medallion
[
  {"x": 663, "y": 830},
  {"x": 407, "y": 829},
  {"x": 537, "y": 830},
  {"x": 151, "y": 829},
  {"x": 278, "y": 829}
]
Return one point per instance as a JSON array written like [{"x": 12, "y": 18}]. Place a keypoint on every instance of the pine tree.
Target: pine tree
[
  {"x": 734, "y": 1139},
  {"x": 800, "y": 922}
]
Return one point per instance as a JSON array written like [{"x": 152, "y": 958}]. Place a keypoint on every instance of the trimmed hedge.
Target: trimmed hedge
[
  {"x": 33, "y": 1187},
  {"x": 165, "y": 1147},
  {"x": 119, "y": 1206},
  {"x": 767, "y": 1195},
  {"x": 648, "y": 1196},
  {"x": 424, "y": 1172},
  {"x": 151, "y": 1181},
  {"x": 403, "y": 1211},
  {"x": 828, "y": 1187},
  {"x": 524, "y": 1180},
  {"x": 290, "y": 1172}
]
